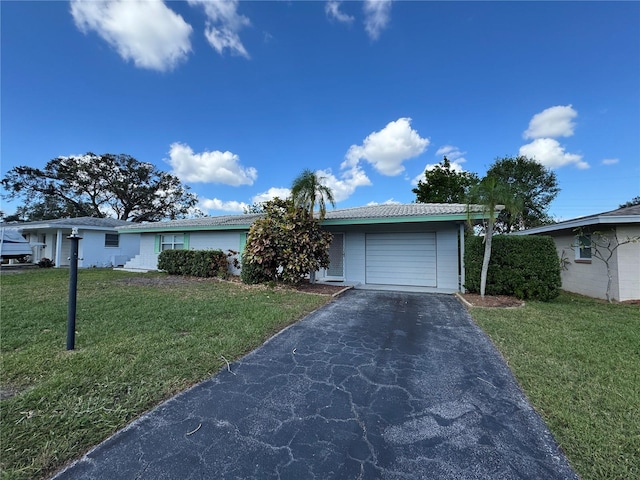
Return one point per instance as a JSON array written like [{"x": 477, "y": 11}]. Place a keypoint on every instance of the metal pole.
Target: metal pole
[{"x": 73, "y": 289}]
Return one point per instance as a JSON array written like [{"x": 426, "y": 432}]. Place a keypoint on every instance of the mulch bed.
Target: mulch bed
[{"x": 491, "y": 301}]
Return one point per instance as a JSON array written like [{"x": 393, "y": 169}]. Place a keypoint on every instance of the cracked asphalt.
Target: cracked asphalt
[{"x": 385, "y": 385}]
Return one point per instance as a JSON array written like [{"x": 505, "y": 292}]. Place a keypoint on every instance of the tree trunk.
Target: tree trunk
[
  {"x": 609, "y": 279},
  {"x": 487, "y": 255}
]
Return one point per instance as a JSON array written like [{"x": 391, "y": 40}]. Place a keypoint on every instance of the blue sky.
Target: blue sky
[{"x": 237, "y": 98}]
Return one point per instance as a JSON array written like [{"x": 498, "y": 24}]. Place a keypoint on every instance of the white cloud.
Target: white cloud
[
  {"x": 391, "y": 201},
  {"x": 452, "y": 153},
  {"x": 610, "y": 161},
  {"x": 223, "y": 25},
  {"x": 343, "y": 187},
  {"x": 377, "y": 14},
  {"x": 388, "y": 148},
  {"x": 148, "y": 33},
  {"x": 270, "y": 194},
  {"x": 219, "y": 205},
  {"x": 216, "y": 166},
  {"x": 332, "y": 9},
  {"x": 551, "y": 154},
  {"x": 553, "y": 122}
]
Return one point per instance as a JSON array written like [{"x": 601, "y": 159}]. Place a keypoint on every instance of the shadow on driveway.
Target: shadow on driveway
[{"x": 374, "y": 385}]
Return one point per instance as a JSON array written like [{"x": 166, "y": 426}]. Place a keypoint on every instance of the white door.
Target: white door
[
  {"x": 336, "y": 258},
  {"x": 401, "y": 259}
]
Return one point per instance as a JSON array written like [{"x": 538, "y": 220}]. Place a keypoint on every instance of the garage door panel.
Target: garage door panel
[{"x": 401, "y": 259}]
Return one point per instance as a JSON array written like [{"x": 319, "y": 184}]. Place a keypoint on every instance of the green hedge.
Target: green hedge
[
  {"x": 198, "y": 263},
  {"x": 526, "y": 267}
]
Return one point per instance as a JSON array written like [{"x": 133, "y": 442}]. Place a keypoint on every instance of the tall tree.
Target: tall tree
[
  {"x": 101, "y": 186},
  {"x": 535, "y": 185},
  {"x": 492, "y": 194},
  {"x": 307, "y": 190},
  {"x": 442, "y": 184}
]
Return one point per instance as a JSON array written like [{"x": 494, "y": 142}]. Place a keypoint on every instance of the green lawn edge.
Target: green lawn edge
[
  {"x": 578, "y": 361},
  {"x": 137, "y": 344}
]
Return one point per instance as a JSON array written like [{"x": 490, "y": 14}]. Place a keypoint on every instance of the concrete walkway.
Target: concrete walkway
[{"x": 374, "y": 385}]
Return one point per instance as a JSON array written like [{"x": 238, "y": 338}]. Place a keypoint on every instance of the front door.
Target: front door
[{"x": 336, "y": 258}]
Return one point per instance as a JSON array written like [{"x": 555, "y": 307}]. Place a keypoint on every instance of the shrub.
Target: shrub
[
  {"x": 526, "y": 267},
  {"x": 46, "y": 263},
  {"x": 199, "y": 263},
  {"x": 286, "y": 244},
  {"x": 252, "y": 273}
]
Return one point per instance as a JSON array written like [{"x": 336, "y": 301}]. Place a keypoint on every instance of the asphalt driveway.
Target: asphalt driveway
[{"x": 374, "y": 385}]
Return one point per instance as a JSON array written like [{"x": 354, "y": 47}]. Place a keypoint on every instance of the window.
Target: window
[
  {"x": 172, "y": 242},
  {"x": 111, "y": 240},
  {"x": 583, "y": 248}
]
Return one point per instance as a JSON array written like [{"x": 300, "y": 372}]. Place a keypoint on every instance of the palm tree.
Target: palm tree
[
  {"x": 492, "y": 195},
  {"x": 307, "y": 189}
]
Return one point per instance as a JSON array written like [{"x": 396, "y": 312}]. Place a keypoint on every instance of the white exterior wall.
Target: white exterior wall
[
  {"x": 147, "y": 259},
  {"x": 584, "y": 278},
  {"x": 628, "y": 262},
  {"x": 93, "y": 252},
  {"x": 590, "y": 279}
]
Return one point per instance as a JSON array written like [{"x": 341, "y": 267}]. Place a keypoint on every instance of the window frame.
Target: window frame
[
  {"x": 583, "y": 252},
  {"x": 172, "y": 243},
  {"x": 106, "y": 242}
]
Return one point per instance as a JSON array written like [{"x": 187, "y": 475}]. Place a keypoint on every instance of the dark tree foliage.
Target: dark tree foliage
[
  {"x": 535, "y": 186},
  {"x": 48, "y": 209},
  {"x": 634, "y": 201},
  {"x": 100, "y": 186},
  {"x": 442, "y": 184},
  {"x": 285, "y": 245}
]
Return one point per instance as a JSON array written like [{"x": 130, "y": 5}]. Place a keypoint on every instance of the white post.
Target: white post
[
  {"x": 58, "y": 258},
  {"x": 461, "y": 286}
]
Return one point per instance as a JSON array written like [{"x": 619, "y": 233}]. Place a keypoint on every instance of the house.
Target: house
[
  {"x": 582, "y": 271},
  {"x": 417, "y": 246},
  {"x": 101, "y": 244}
]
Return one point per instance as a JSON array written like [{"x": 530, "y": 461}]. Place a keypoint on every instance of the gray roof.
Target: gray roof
[
  {"x": 368, "y": 214},
  {"x": 618, "y": 216},
  {"x": 90, "y": 223},
  {"x": 402, "y": 210}
]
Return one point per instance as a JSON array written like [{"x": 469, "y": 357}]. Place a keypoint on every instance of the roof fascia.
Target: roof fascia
[{"x": 582, "y": 222}]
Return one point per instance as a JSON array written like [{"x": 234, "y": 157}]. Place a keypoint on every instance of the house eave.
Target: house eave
[{"x": 581, "y": 222}]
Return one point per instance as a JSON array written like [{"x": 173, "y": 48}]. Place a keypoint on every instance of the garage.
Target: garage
[{"x": 401, "y": 259}]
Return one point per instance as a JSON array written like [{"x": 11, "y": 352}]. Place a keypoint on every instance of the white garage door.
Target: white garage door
[{"x": 401, "y": 259}]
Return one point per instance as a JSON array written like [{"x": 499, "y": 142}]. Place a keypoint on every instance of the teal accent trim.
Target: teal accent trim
[
  {"x": 186, "y": 241},
  {"x": 156, "y": 247},
  {"x": 243, "y": 242}
]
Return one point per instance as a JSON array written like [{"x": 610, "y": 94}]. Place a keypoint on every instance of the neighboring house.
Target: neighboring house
[
  {"x": 101, "y": 244},
  {"x": 414, "y": 245},
  {"x": 584, "y": 273}
]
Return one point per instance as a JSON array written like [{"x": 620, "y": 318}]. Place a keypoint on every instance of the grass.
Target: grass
[
  {"x": 137, "y": 344},
  {"x": 578, "y": 360}
]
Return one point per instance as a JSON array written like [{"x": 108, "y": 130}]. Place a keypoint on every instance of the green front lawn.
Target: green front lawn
[
  {"x": 578, "y": 360},
  {"x": 140, "y": 339}
]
